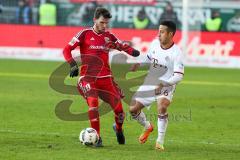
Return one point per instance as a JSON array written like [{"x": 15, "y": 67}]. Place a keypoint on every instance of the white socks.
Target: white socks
[
  {"x": 162, "y": 127},
  {"x": 162, "y": 124},
  {"x": 142, "y": 120}
]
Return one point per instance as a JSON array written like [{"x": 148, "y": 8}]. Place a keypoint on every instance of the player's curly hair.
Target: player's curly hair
[{"x": 100, "y": 11}]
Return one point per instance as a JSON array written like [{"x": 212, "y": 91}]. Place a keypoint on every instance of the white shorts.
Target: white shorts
[{"x": 146, "y": 94}]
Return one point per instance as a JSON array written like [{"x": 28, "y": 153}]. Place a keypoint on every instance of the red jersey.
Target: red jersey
[{"x": 94, "y": 52}]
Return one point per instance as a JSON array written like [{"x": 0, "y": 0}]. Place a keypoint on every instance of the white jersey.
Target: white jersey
[{"x": 163, "y": 63}]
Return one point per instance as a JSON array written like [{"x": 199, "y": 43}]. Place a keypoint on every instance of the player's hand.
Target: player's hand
[
  {"x": 158, "y": 89},
  {"x": 135, "y": 53},
  {"x": 134, "y": 67},
  {"x": 74, "y": 69}
]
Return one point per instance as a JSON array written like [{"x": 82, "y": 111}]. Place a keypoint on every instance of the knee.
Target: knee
[
  {"x": 92, "y": 101},
  {"x": 163, "y": 105},
  {"x": 117, "y": 108},
  {"x": 133, "y": 110}
]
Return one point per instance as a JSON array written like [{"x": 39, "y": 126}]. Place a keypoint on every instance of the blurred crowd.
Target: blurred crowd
[
  {"x": 42, "y": 12},
  {"x": 46, "y": 13}
]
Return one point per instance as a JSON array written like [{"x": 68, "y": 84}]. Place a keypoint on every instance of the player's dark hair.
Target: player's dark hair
[
  {"x": 100, "y": 11},
  {"x": 171, "y": 26}
]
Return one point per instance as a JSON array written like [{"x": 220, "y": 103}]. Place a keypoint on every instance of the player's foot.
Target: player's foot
[
  {"x": 144, "y": 136},
  {"x": 159, "y": 146},
  {"x": 119, "y": 134},
  {"x": 99, "y": 143}
]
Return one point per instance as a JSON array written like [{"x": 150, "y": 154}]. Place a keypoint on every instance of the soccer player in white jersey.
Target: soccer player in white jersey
[{"x": 166, "y": 70}]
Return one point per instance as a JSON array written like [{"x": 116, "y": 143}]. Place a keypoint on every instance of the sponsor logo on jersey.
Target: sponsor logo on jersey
[
  {"x": 106, "y": 39},
  {"x": 155, "y": 62},
  {"x": 167, "y": 59},
  {"x": 96, "y": 47},
  {"x": 92, "y": 39}
]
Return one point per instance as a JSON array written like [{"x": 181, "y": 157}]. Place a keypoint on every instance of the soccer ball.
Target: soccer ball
[{"x": 88, "y": 136}]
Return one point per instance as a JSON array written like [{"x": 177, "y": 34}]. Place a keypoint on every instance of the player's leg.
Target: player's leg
[
  {"x": 136, "y": 112},
  {"x": 162, "y": 104},
  {"x": 93, "y": 113},
  {"x": 140, "y": 100},
  {"x": 119, "y": 119},
  {"x": 86, "y": 88},
  {"x": 163, "y": 101},
  {"x": 110, "y": 94},
  {"x": 116, "y": 105}
]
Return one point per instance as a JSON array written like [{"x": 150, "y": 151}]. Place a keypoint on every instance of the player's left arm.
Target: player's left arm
[
  {"x": 177, "y": 75},
  {"x": 175, "y": 79},
  {"x": 117, "y": 44},
  {"x": 178, "y": 69}
]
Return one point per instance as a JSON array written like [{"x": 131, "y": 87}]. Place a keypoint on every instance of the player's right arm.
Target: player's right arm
[
  {"x": 117, "y": 44},
  {"x": 67, "y": 53},
  {"x": 145, "y": 60}
]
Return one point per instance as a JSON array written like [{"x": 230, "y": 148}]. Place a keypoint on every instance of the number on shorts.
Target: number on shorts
[
  {"x": 85, "y": 88},
  {"x": 165, "y": 93}
]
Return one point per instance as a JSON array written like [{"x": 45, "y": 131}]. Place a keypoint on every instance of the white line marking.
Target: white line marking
[
  {"x": 233, "y": 84},
  {"x": 24, "y": 75},
  {"x": 44, "y": 76},
  {"x": 196, "y": 141}
]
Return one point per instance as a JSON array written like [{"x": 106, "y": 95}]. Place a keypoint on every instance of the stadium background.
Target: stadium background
[{"x": 205, "y": 113}]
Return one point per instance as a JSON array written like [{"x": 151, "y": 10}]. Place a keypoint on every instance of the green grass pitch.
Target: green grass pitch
[{"x": 204, "y": 118}]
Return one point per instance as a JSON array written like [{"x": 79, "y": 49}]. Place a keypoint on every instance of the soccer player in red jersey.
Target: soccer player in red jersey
[{"x": 96, "y": 80}]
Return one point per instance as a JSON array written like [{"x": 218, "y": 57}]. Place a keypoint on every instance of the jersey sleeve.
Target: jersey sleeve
[
  {"x": 178, "y": 70},
  {"x": 121, "y": 46},
  {"x": 114, "y": 38},
  {"x": 175, "y": 79},
  {"x": 76, "y": 41},
  {"x": 149, "y": 52},
  {"x": 178, "y": 63},
  {"x": 148, "y": 56}
]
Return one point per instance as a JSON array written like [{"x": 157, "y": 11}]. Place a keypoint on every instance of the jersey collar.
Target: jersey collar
[
  {"x": 98, "y": 34},
  {"x": 168, "y": 47}
]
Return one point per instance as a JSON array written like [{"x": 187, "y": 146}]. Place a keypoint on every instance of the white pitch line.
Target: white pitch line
[
  {"x": 234, "y": 84},
  {"x": 37, "y": 133},
  {"x": 197, "y": 141},
  {"x": 24, "y": 75},
  {"x": 207, "y": 83}
]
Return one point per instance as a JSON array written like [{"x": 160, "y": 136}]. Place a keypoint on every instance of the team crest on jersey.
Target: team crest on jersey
[
  {"x": 167, "y": 59},
  {"x": 106, "y": 39}
]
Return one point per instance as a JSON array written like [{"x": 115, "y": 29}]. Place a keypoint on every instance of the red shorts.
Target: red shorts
[{"x": 99, "y": 87}]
